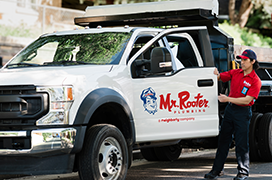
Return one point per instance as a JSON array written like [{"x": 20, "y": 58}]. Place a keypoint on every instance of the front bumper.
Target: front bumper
[
  {"x": 43, "y": 151},
  {"x": 39, "y": 141}
]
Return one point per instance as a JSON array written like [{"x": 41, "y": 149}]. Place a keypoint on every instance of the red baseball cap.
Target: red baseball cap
[{"x": 247, "y": 54}]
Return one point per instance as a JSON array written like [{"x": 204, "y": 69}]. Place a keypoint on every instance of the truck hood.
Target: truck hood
[{"x": 49, "y": 75}]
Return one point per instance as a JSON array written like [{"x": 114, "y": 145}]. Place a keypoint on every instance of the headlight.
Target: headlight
[{"x": 61, "y": 99}]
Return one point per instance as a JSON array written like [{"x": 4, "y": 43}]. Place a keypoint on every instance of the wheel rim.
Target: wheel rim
[
  {"x": 110, "y": 159},
  {"x": 174, "y": 149}
]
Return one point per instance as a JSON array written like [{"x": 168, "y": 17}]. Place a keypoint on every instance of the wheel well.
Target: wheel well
[{"x": 113, "y": 113}]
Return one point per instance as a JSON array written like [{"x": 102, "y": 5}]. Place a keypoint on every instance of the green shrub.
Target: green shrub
[
  {"x": 19, "y": 31},
  {"x": 245, "y": 36}
]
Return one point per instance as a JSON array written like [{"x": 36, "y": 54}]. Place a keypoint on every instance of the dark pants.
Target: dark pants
[{"x": 236, "y": 121}]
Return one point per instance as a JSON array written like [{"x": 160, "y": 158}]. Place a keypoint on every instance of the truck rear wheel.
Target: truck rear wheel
[
  {"x": 254, "y": 152},
  {"x": 104, "y": 154},
  {"x": 168, "y": 153},
  {"x": 149, "y": 154},
  {"x": 165, "y": 153},
  {"x": 265, "y": 137}
]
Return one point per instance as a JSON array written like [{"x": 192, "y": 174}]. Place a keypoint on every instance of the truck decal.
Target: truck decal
[
  {"x": 149, "y": 99},
  {"x": 184, "y": 104},
  {"x": 176, "y": 119}
]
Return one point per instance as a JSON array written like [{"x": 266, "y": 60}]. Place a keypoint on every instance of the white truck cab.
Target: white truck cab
[{"x": 82, "y": 100}]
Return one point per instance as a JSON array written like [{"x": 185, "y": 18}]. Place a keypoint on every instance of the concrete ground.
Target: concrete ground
[{"x": 191, "y": 165}]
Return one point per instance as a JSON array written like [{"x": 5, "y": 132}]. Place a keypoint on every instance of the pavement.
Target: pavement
[{"x": 192, "y": 165}]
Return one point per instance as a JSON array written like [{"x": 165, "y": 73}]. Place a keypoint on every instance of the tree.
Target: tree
[
  {"x": 243, "y": 14},
  {"x": 260, "y": 17},
  {"x": 258, "y": 12}
]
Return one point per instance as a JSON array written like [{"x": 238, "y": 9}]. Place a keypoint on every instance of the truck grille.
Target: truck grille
[{"x": 21, "y": 105}]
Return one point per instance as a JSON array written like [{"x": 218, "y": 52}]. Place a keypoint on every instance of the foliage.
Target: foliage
[
  {"x": 102, "y": 48},
  {"x": 20, "y": 31},
  {"x": 46, "y": 135},
  {"x": 261, "y": 15},
  {"x": 245, "y": 36}
]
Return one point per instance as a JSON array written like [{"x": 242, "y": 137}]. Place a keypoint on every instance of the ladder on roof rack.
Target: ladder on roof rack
[{"x": 150, "y": 14}]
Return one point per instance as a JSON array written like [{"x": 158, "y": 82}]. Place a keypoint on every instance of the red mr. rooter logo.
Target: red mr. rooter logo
[{"x": 184, "y": 104}]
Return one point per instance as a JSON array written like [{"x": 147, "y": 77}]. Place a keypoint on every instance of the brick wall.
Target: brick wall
[
  {"x": 263, "y": 54},
  {"x": 10, "y": 46}
]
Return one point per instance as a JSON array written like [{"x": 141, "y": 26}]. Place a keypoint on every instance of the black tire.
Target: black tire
[
  {"x": 265, "y": 137},
  {"x": 168, "y": 153},
  {"x": 104, "y": 154},
  {"x": 130, "y": 156},
  {"x": 149, "y": 154},
  {"x": 254, "y": 152}
]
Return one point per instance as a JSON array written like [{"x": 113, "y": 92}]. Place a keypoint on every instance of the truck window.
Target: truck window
[
  {"x": 264, "y": 74},
  {"x": 182, "y": 50},
  {"x": 140, "y": 42},
  {"x": 73, "y": 49},
  {"x": 44, "y": 53},
  {"x": 220, "y": 56},
  {"x": 154, "y": 61}
]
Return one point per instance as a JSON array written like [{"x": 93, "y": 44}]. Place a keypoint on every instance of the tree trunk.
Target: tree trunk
[
  {"x": 244, "y": 12},
  {"x": 232, "y": 14}
]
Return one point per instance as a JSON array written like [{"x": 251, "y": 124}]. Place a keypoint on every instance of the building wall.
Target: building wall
[
  {"x": 25, "y": 19},
  {"x": 10, "y": 46},
  {"x": 56, "y": 3}
]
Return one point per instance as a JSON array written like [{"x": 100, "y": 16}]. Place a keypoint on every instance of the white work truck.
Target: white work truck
[{"x": 83, "y": 100}]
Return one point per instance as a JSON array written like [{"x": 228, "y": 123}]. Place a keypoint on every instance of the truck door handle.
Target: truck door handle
[{"x": 205, "y": 82}]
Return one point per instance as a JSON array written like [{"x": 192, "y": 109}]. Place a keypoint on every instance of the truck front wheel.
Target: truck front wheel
[
  {"x": 265, "y": 137},
  {"x": 104, "y": 154}
]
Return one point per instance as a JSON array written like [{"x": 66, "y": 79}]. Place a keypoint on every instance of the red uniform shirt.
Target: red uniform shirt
[{"x": 242, "y": 86}]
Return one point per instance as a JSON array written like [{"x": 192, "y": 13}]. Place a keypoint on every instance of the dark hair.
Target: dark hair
[{"x": 256, "y": 64}]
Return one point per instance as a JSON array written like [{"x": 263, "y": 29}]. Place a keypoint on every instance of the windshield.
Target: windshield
[{"x": 97, "y": 49}]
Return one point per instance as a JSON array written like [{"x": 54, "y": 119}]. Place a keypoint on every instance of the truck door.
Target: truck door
[{"x": 175, "y": 96}]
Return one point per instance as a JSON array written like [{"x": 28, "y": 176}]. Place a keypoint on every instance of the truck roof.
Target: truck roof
[
  {"x": 149, "y": 14},
  {"x": 90, "y": 30}
]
